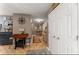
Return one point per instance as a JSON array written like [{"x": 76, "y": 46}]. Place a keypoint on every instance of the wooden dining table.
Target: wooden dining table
[{"x": 19, "y": 38}]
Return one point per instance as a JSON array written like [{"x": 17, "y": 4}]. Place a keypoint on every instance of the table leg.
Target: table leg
[
  {"x": 23, "y": 42},
  {"x": 14, "y": 43}
]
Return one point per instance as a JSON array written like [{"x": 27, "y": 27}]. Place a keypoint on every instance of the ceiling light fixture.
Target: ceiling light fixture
[{"x": 39, "y": 20}]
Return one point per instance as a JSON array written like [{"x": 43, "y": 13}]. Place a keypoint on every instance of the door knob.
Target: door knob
[
  {"x": 58, "y": 38},
  {"x": 54, "y": 36}
]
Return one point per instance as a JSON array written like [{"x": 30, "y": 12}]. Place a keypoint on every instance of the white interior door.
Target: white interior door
[
  {"x": 53, "y": 44},
  {"x": 62, "y": 29},
  {"x": 67, "y": 31},
  {"x": 74, "y": 41},
  {"x": 78, "y": 26}
]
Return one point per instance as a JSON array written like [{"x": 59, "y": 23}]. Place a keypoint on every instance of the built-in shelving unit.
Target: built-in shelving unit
[{"x": 8, "y": 24}]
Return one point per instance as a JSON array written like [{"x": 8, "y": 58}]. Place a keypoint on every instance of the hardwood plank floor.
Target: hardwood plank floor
[{"x": 9, "y": 50}]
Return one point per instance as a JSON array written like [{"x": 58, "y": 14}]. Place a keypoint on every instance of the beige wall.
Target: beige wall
[{"x": 26, "y": 26}]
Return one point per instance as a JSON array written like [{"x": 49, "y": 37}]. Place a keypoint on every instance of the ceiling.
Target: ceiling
[{"x": 35, "y": 9}]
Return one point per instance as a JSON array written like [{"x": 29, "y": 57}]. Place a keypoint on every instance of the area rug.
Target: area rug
[
  {"x": 36, "y": 39},
  {"x": 39, "y": 52}
]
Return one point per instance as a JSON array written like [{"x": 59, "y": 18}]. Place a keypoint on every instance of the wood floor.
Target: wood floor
[{"x": 9, "y": 50}]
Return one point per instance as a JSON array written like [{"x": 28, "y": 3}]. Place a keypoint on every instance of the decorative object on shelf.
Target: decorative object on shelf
[
  {"x": 21, "y": 20},
  {"x": 21, "y": 31},
  {"x": 8, "y": 24}
]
